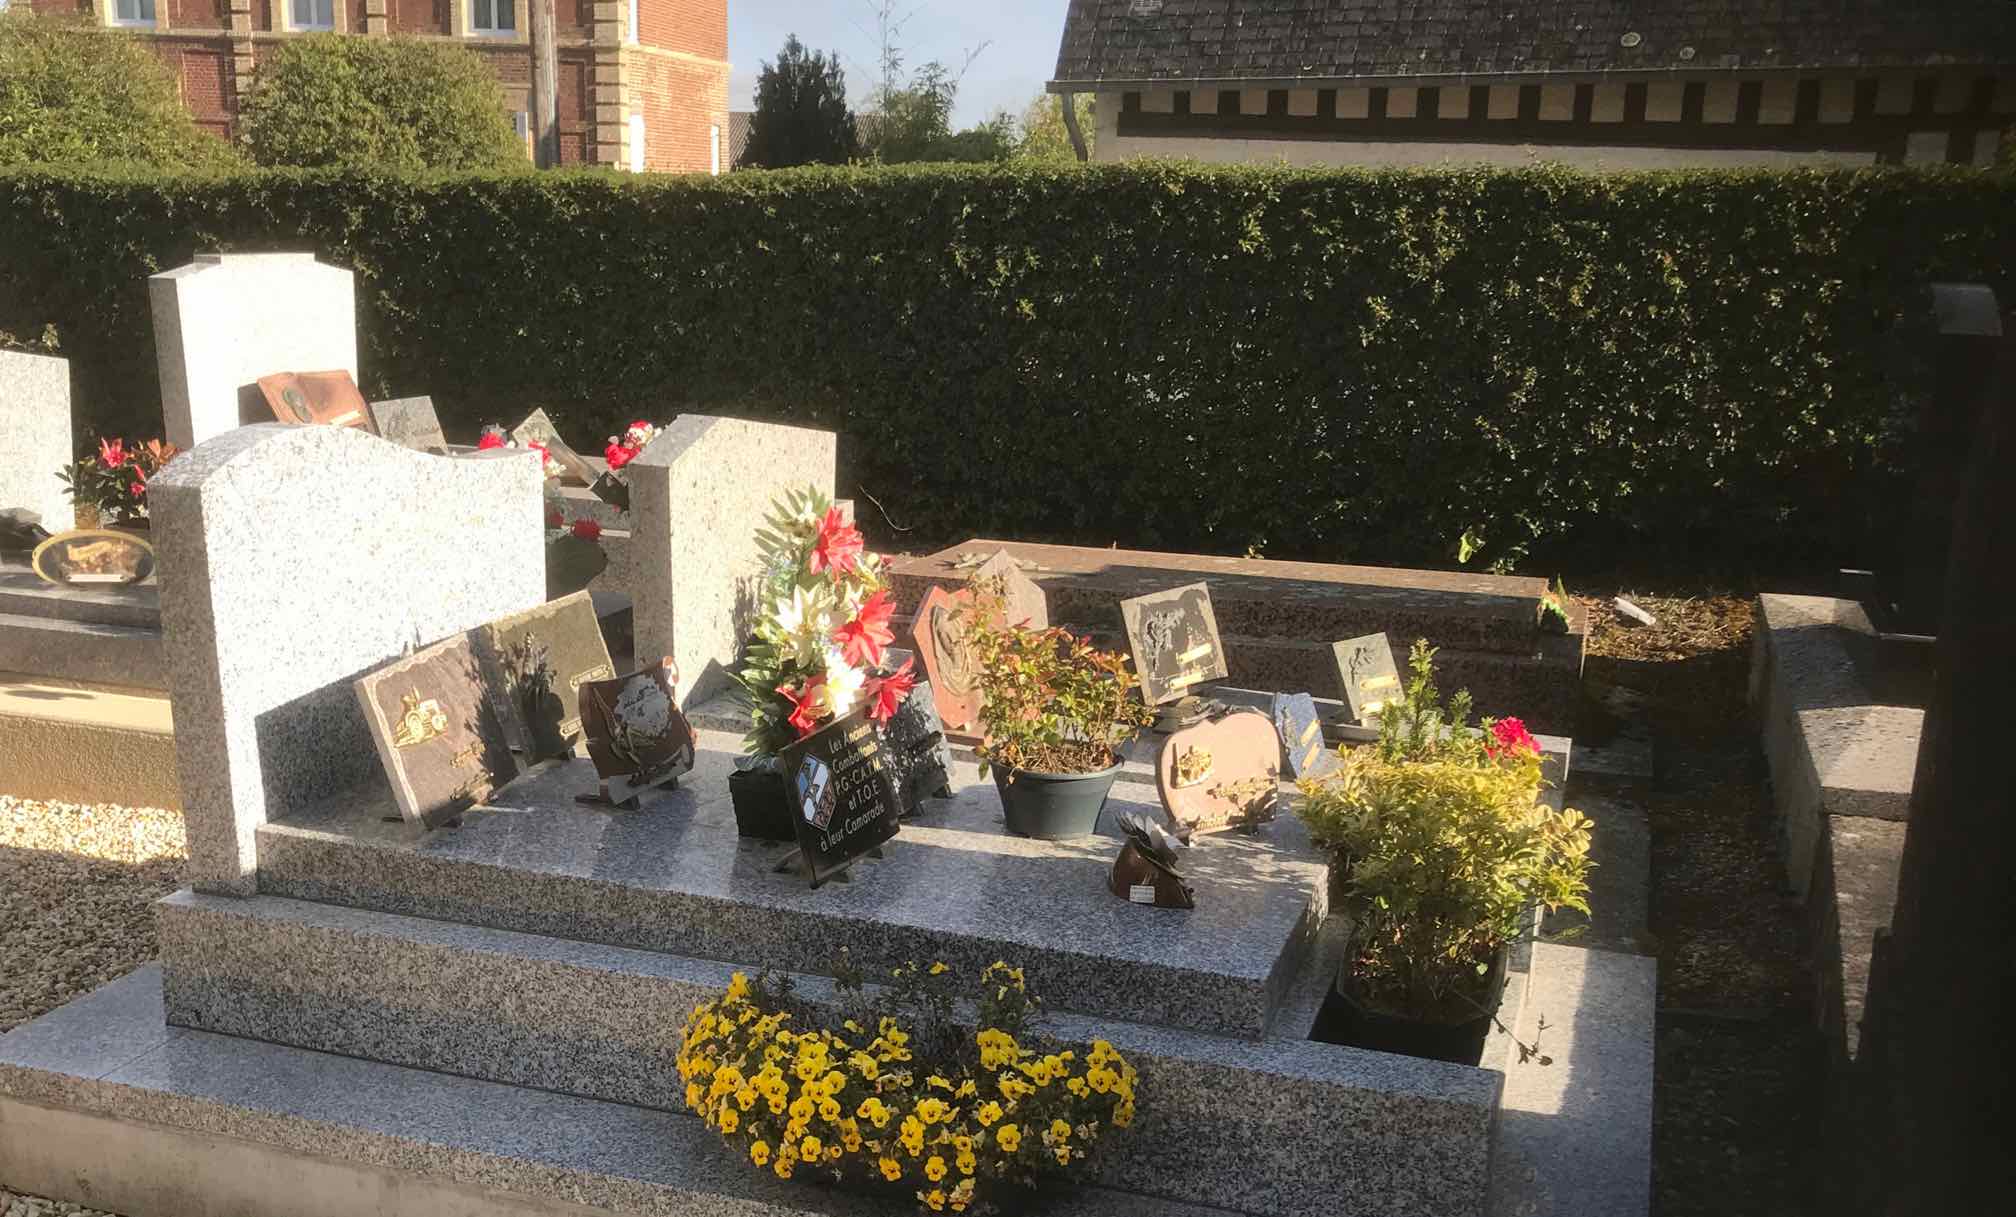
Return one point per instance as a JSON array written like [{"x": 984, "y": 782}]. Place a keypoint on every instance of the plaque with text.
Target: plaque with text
[
  {"x": 1370, "y": 678},
  {"x": 1304, "y": 753},
  {"x": 409, "y": 422},
  {"x": 539, "y": 429},
  {"x": 541, "y": 658},
  {"x": 1174, "y": 636},
  {"x": 329, "y": 398},
  {"x": 102, "y": 556},
  {"x": 843, "y": 799},
  {"x": 940, "y": 633},
  {"x": 441, "y": 731},
  {"x": 1023, "y": 601},
  {"x": 1221, "y": 774},
  {"x": 637, "y": 736}
]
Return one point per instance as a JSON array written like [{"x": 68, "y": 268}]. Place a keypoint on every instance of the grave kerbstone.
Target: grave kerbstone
[
  {"x": 699, "y": 492},
  {"x": 35, "y": 436},
  {"x": 225, "y": 320},
  {"x": 304, "y": 557}
]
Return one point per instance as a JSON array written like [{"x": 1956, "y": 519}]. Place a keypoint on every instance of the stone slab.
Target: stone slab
[
  {"x": 35, "y": 436},
  {"x": 954, "y": 885},
  {"x": 224, "y": 320},
  {"x": 104, "y": 1071},
  {"x": 53, "y": 648},
  {"x": 1854, "y": 895},
  {"x": 1620, "y": 845},
  {"x": 25, "y": 594},
  {"x": 1318, "y": 1123},
  {"x": 303, "y": 557},
  {"x": 1575, "y": 1137},
  {"x": 699, "y": 492}
]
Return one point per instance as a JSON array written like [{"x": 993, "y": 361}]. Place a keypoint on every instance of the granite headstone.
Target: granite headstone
[
  {"x": 1174, "y": 636},
  {"x": 35, "y": 437},
  {"x": 442, "y": 731}
]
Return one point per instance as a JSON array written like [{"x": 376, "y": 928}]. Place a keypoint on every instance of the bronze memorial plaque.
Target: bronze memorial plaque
[
  {"x": 941, "y": 637},
  {"x": 1174, "y": 636},
  {"x": 443, "y": 732},
  {"x": 315, "y": 397},
  {"x": 1370, "y": 678},
  {"x": 93, "y": 555},
  {"x": 541, "y": 658},
  {"x": 1225, "y": 773}
]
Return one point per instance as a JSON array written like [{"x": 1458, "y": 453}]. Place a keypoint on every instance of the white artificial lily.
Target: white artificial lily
[
  {"x": 843, "y": 684},
  {"x": 804, "y": 625}
]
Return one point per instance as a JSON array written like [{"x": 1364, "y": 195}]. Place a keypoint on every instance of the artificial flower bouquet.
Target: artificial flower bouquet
[
  {"x": 889, "y": 1091},
  {"x": 624, "y": 448},
  {"x": 822, "y": 628},
  {"x": 110, "y": 486}
]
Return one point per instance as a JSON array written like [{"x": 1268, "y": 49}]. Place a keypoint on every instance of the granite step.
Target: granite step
[
  {"x": 56, "y": 648},
  {"x": 73, "y": 743},
  {"x": 102, "y": 1103},
  {"x": 25, "y": 594},
  {"x": 674, "y": 876},
  {"x": 1620, "y": 883},
  {"x": 604, "y": 1023}
]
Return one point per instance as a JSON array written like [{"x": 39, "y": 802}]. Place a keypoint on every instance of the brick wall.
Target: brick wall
[
  {"x": 198, "y": 14},
  {"x": 418, "y": 16},
  {"x": 696, "y": 27},
  {"x": 680, "y": 99},
  {"x": 204, "y": 72}
]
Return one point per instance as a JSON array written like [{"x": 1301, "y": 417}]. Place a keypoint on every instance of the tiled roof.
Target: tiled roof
[
  {"x": 740, "y": 124},
  {"x": 1283, "y": 40}
]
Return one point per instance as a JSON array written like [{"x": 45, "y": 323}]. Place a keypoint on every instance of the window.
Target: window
[
  {"x": 311, "y": 14},
  {"x": 636, "y": 143},
  {"x": 133, "y": 12},
  {"x": 714, "y": 150},
  {"x": 493, "y": 16}
]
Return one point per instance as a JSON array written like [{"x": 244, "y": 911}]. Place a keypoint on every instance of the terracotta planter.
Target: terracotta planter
[
  {"x": 1053, "y": 806},
  {"x": 1347, "y": 1019}
]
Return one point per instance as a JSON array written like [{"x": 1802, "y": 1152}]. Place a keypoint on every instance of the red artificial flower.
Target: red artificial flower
[
  {"x": 1509, "y": 735},
  {"x": 555, "y": 520},
  {"x": 805, "y": 710},
  {"x": 838, "y": 546},
  {"x": 862, "y": 639},
  {"x": 618, "y": 455},
  {"x": 885, "y": 694},
  {"x": 490, "y": 439},
  {"x": 111, "y": 453},
  {"x": 587, "y": 529}
]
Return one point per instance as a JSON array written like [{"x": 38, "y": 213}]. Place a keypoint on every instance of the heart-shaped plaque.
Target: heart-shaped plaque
[{"x": 1225, "y": 773}]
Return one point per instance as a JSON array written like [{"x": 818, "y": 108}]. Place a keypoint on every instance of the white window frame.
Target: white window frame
[
  {"x": 714, "y": 149},
  {"x": 636, "y": 142},
  {"x": 287, "y": 17},
  {"x": 633, "y": 23},
  {"x": 493, "y": 30},
  {"x": 113, "y": 17}
]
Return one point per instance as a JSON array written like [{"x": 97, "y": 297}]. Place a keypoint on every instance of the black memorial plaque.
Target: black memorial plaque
[
  {"x": 1370, "y": 678},
  {"x": 1174, "y": 636},
  {"x": 843, "y": 798}
]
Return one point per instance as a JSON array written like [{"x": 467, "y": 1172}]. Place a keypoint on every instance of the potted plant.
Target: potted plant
[
  {"x": 1055, "y": 714},
  {"x": 1444, "y": 850},
  {"x": 820, "y": 640},
  {"x": 109, "y": 489}
]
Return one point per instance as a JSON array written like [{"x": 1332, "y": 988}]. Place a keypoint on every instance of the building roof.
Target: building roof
[
  {"x": 740, "y": 124},
  {"x": 1111, "y": 42}
]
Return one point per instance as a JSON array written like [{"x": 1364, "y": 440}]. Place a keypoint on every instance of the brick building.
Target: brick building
[
  {"x": 643, "y": 83},
  {"x": 1637, "y": 84}
]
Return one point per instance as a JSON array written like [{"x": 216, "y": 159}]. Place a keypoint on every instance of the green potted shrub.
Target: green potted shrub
[
  {"x": 1056, "y": 712},
  {"x": 1444, "y": 850},
  {"x": 109, "y": 488}
]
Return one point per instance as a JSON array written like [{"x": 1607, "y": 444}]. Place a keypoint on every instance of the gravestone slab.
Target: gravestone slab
[
  {"x": 940, "y": 636},
  {"x": 1370, "y": 678},
  {"x": 329, "y": 398},
  {"x": 442, "y": 731},
  {"x": 305, "y": 557},
  {"x": 409, "y": 422},
  {"x": 699, "y": 492},
  {"x": 541, "y": 658},
  {"x": 1022, "y": 600},
  {"x": 1174, "y": 636},
  {"x": 1304, "y": 753},
  {"x": 35, "y": 436},
  {"x": 539, "y": 429},
  {"x": 225, "y": 320}
]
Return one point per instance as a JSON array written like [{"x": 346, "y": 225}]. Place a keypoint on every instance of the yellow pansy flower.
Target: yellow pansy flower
[
  {"x": 933, "y": 1111},
  {"x": 808, "y": 1149},
  {"x": 759, "y": 1152},
  {"x": 892, "y": 1170},
  {"x": 1009, "y": 1138},
  {"x": 730, "y": 1121},
  {"x": 989, "y": 1112},
  {"x": 934, "y": 1168},
  {"x": 933, "y": 1200},
  {"x": 1059, "y": 1130}
]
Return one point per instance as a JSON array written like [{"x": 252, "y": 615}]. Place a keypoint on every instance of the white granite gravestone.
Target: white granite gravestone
[
  {"x": 298, "y": 558},
  {"x": 225, "y": 320},
  {"x": 698, "y": 493},
  {"x": 35, "y": 440}
]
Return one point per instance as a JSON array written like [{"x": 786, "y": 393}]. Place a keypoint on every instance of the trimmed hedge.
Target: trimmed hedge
[{"x": 1334, "y": 364}]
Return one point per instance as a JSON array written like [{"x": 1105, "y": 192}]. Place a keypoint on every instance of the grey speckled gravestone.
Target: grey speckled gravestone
[
  {"x": 35, "y": 436},
  {"x": 293, "y": 560},
  {"x": 698, "y": 493}
]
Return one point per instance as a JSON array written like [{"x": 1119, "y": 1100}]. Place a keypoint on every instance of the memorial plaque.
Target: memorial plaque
[
  {"x": 1146, "y": 870},
  {"x": 541, "y": 658},
  {"x": 636, "y": 734},
  {"x": 443, "y": 732},
  {"x": 843, "y": 800},
  {"x": 1370, "y": 678},
  {"x": 1222, "y": 774},
  {"x": 1174, "y": 636},
  {"x": 409, "y": 422},
  {"x": 1303, "y": 750},
  {"x": 920, "y": 761},
  {"x": 315, "y": 397},
  {"x": 93, "y": 555},
  {"x": 539, "y": 429},
  {"x": 1022, "y": 600},
  {"x": 611, "y": 489},
  {"x": 940, "y": 632}
]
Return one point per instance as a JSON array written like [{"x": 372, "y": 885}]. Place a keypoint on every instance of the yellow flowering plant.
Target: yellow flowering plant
[{"x": 891, "y": 1091}]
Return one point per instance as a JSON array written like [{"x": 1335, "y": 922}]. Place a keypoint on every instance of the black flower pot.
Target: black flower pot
[
  {"x": 1347, "y": 1018},
  {"x": 762, "y": 805},
  {"x": 1053, "y": 806}
]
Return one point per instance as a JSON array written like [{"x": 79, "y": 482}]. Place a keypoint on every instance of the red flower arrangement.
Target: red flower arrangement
[
  {"x": 624, "y": 448},
  {"x": 112, "y": 485},
  {"x": 587, "y": 529}
]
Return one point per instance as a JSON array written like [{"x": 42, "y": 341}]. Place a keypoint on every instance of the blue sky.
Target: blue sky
[{"x": 1022, "y": 35}]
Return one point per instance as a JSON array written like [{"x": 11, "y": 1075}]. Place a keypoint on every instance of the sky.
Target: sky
[{"x": 1020, "y": 36}]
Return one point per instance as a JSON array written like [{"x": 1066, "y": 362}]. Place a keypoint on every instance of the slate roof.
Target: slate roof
[
  {"x": 740, "y": 124},
  {"x": 1290, "y": 40}
]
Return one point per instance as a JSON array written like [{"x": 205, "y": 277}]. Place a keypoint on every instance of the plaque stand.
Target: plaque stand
[{"x": 793, "y": 863}]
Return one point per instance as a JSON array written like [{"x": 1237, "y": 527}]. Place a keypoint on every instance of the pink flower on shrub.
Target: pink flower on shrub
[{"x": 1509, "y": 736}]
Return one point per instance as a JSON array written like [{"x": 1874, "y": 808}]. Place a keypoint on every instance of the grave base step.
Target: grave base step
[
  {"x": 103, "y": 1104},
  {"x": 125, "y": 656},
  {"x": 72, "y": 743}
]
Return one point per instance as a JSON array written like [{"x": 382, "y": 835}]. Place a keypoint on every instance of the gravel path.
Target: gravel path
[{"x": 77, "y": 888}]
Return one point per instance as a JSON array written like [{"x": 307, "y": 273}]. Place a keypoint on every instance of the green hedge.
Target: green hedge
[{"x": 1333, "y": 364}]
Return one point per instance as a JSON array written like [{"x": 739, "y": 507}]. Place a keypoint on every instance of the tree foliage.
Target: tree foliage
[
  {"x": 74, "y": 94},
  {"x": 329, "y": 100},
  {"x": 1043, "y": 135},
  {"x": 801, "y": 112}
]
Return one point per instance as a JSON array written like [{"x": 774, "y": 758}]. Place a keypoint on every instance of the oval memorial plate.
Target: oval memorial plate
[{"x": 93, "y": 555}]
